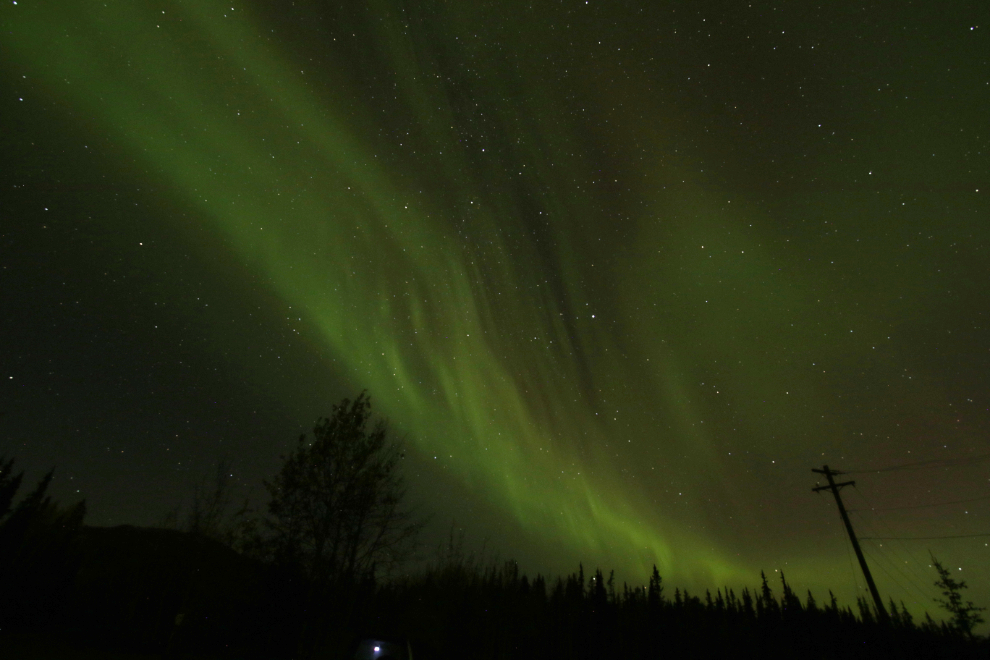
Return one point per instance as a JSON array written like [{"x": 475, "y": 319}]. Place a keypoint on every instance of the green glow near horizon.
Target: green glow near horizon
[{"x": 552, "y": 335}]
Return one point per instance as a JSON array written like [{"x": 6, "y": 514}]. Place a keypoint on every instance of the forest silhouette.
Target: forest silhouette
[{"x": 251, "y": 586}]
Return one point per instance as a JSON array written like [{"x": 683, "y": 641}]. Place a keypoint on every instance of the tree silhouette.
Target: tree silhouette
[
  {"x": 210, "y": 501},
  {"x": 766, "y": 599},
  {"x": 964, "y": 616},
  {"x": 37, "y": 564},
  {"x": 336, "y": 506},
  {"x": 655, "y": 593},
  {"x": 8, "y": 485},
  {"x": 789, "y": 601}
]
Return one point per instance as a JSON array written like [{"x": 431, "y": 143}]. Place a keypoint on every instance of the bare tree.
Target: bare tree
[
  {"x": 336, "y": 506},
  {"x": 210, "y": 503}
]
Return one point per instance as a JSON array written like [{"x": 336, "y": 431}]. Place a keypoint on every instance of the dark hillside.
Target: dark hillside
[{"x": 148, "y": 588}]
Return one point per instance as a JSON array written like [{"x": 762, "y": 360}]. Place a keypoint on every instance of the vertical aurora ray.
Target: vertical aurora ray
[{"x": 443, "y": 215}]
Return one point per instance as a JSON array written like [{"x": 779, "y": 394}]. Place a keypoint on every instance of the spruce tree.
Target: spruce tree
[
  {"x": 966, "y": 616},
  {"x": 655, "y": 592}
]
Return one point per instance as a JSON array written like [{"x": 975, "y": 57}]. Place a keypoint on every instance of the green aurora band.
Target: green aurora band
[{"x": 438, "y": 208}]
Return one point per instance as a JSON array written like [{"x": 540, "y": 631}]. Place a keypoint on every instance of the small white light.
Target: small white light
[{"x": 377, "y": 649}]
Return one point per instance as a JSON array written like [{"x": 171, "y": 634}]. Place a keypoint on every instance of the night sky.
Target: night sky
[{"x": 620, "y": 273}]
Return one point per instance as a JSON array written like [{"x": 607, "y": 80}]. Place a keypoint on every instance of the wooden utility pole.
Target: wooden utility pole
[{"x": 834, "y": 487}]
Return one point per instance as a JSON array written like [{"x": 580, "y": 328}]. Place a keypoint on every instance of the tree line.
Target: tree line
[{"x": 315, "y": 573}]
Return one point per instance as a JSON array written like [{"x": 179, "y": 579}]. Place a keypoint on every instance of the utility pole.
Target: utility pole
[{"x": 834, "y": 487}]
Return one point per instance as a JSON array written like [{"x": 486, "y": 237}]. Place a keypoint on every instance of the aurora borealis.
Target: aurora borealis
[{"x": 621, "y": 272}]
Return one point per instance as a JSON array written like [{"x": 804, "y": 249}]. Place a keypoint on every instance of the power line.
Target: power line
[
  {"x": 913, "y": 565},
  {"x": 924, "y": 506},
  {"x": 924, "y": 596},
  {"x": 921, "y": 538},
  {"x": 889, "y": 554},
  {"x": 921, "y": 465}
]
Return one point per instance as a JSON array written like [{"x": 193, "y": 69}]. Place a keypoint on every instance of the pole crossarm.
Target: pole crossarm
[
  {"x": 844, "y": 483},
  {"x": 834, "y": 487}
]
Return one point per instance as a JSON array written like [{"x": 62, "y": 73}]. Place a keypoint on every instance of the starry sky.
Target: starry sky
[{"x": 620, "y": 274}]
